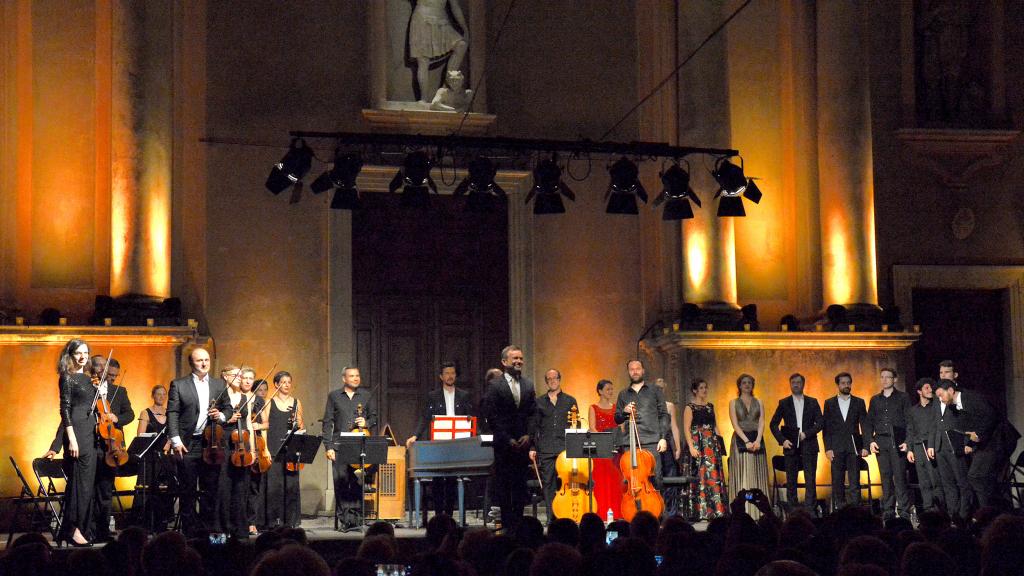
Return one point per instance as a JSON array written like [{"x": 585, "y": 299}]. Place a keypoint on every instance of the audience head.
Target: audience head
[
  {"x": 377, "y": 549},
  {"x": 381, "y": 528},
  {"x": 785, "y": 568},
  {"x": 645, "y": 527},
  {"x": 926, "y": 559},
  {"x": 592, "y": 533},
  {"x": 556, "y": 559},
  {"x": 530, "y": 533},
  {"x": 353, "y": 566},
  {"x": 292, "y": 560},
  {"x": 868, "y": 550},
  {"x": 437, "y": 528},
  {"x": 564, "y": 530},
  {"x": 1001, "y": 552}
]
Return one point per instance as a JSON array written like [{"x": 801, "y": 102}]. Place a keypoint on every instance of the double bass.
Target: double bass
[
  {"x": 636, "y": 467},
  {"x": 575, "y": 498}
]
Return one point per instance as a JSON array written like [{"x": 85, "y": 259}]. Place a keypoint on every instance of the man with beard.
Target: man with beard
[
  {"x": 801, "y": 421},
  {"x": 885, "y": 433},
  {"x": 647, "y": 403},
  {"x": 920, "y": 427},
  {"x": 976, "y": 419},
  {"x": 547, "y": 430},
  {"x": 508, "y": 405},
  {"x": 844, "y": 414}
]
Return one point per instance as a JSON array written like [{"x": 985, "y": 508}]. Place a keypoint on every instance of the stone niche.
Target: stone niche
[{"x": 771, "y": 357}]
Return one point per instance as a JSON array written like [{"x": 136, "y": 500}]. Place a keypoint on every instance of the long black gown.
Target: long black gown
[
  {"x": 281, "y": 498},
  {"x": 76, "y": 404}
]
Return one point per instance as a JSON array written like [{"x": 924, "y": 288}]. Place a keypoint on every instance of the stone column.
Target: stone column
[
  {"x": 709, "y": 278},
  {"x": 141, "y": 148},
  {"x": 846, "y": 180}
]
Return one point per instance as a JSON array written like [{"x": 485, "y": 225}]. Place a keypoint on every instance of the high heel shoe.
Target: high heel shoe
[{"x": 62, "y": 542}]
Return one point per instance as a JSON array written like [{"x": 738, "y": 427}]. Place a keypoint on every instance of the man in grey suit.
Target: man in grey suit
[
  {"x": 191, "y": 402},
  {"x": 508, "y": 406}
]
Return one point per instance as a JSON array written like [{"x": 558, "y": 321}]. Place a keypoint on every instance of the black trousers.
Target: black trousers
[
  {"x": 253, "y": 507},
  {"x": 892, "y": 466},
  {"x": 444, "y": 494},
  {"x": 927, "y": 479},
  {"x": 102, "y": 498},
  {"x": 795, "y": 462},
  {"x": 845, "y": 463},
  {"x": 981, "y": 475},
  {"x": 955, "y": 485},
  {"x": 511, "y": 469},
  {"x": 347, "y": 493},
  {"x": 237, "y": 479},
  {"x": 549, "y": 476},
  {"x": 198, "y": 481}
]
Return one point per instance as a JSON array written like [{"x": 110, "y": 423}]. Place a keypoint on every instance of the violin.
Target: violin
[
  {"x": 241, "y": 438},
  {"x": 214, "y": 447},
  {"x": 636, "y": 467},
  {"x": 264, "y": 458},
  {"x": 575, "y": 498},
  {"x": 113, "y": 437},
  {"x": 361, "y": 430}
]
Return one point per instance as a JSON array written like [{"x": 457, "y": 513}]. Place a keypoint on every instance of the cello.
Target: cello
[
  {"x": 636, "y": 467},
  {"x": 574, "y": 499}
]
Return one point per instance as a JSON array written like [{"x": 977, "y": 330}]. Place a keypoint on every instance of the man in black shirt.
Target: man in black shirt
[
  {"x": 340, "y": 415},
  {"x": 843, "y": 416},
  {"x": 547, "y": 430},
  {"x": 920, "y": 427},
  {"x": 652, "y": 419},
  {"x": 885, "y": 434}
]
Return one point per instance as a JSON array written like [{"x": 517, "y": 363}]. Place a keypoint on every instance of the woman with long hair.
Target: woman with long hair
[
  {"x": 77, "y": 395},
  {"x": 748, "y": 464},
  {"x": 710, "y": 498},
  {"x": 607, "y": 480}
]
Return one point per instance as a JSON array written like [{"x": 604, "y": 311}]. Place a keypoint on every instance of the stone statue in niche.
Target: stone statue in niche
[
  {"x": 953, "y": 65},
  {"x": 434, "y": 39}
]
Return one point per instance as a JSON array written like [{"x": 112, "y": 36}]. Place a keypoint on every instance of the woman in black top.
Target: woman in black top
[
  {"x": 282, "y": 415},
  {"x": 77, "y": 395}
]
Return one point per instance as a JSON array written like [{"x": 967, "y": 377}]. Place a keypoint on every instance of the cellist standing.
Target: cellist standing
[
  {"x": 547, "y": 431},
  {"x": 652, "y": 418}
]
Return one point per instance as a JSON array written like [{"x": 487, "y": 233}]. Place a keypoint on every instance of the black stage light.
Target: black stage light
[
  {"x": 624, "y": 188},
  {"x": 342, "y": 176},
  {"x": 549, "y": 188},
  {"x": 677, "y": 194},
  {"x": 480, "y": 186},
  {"x": 733, "y": 187},
  {"x": 290, "y": 170},
  {"x": 414, "y": 180}
]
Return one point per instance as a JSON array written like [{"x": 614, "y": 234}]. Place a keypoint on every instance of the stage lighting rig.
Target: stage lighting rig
[
  {"x": 624, "y": 187},
  {"x": 290, "y": 170},
  {"x": 733, "y": 187},
  {"x": 548, "y": 188},
  {"x": 677, "y": 194},
  {"x": 342, "y": 177},
  {"x": 414, "y": 180},
  {"x": 480, "y": 186}
]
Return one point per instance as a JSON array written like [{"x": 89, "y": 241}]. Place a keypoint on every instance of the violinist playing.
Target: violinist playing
[
  {"x": 282, "y": 416},
  {"x": 652, "y": 418},
  {"x": 193, "y": 401},
  {"x": 547, "y": 430}
]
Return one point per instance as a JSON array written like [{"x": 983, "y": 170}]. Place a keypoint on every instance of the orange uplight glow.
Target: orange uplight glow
[
  {"x": 839, "y": 276},
  {"x": 696, "y": 259},
  {"x": 158, "y": 268}
]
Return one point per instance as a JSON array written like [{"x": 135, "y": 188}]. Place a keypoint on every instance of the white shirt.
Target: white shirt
[
  {"x": 449, "y": 401},
  {"x": 203, "y": 392},
  {"x": 844, "y": 404},
  {"x": 959, "y": 402},
  {"x": 513, "y": 385},
  {"x": 942, "y": 407},
  {"x": 798, "y": 405}
]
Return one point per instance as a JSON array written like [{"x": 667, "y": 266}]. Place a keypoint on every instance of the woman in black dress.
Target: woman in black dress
[
  {"x": 282, "y": 415},
  {"x": 77, "y": 395}
]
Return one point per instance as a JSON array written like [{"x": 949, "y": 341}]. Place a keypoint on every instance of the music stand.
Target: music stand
[
  {"x": 357, "y": 448},
  {"x": 589, "y": 445},
  {"x": 141, "y": 449}
]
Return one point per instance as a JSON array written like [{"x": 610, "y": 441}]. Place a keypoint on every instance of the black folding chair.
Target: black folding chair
[
  {"x": 779, "y": 487},
  {"x": 1016, "y": 474},
  {"x": 28, "y": 498}
]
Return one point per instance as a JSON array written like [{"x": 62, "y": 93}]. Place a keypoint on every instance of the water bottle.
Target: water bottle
[{"x": 609, "y": 517}]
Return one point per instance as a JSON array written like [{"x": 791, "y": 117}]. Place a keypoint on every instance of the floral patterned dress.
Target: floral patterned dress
[{"x": 709, "y": 495}]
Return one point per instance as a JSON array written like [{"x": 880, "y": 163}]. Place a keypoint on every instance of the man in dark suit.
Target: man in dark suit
[
  {"x": 122, "y": 415},
  {"x": 885, "y": 434},
  {"x": 547, "y": 430},
  {"x": 341, "y": 414},
  {"x": 444, "y": 401},
  {"x": 948, "y": 447},
  {"x": 976, "y": 419},
  {"x": 507, "y": 406},
  {"x": 844, "y": 414},
  {"x": 921, "y": 419},
  {"x": 191, "y": 402},
  {"x": 801, "y": 421}
]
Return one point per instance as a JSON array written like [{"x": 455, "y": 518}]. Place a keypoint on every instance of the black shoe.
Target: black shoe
[{"x": 74, "y": 544}]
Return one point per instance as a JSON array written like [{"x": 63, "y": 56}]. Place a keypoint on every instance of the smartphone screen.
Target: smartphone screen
[
  {"x": 610, "y": 536},
  {"x": 658, "y": 558}
]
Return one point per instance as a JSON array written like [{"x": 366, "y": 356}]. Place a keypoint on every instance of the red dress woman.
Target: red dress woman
[{"x": 607, "y": 480}]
